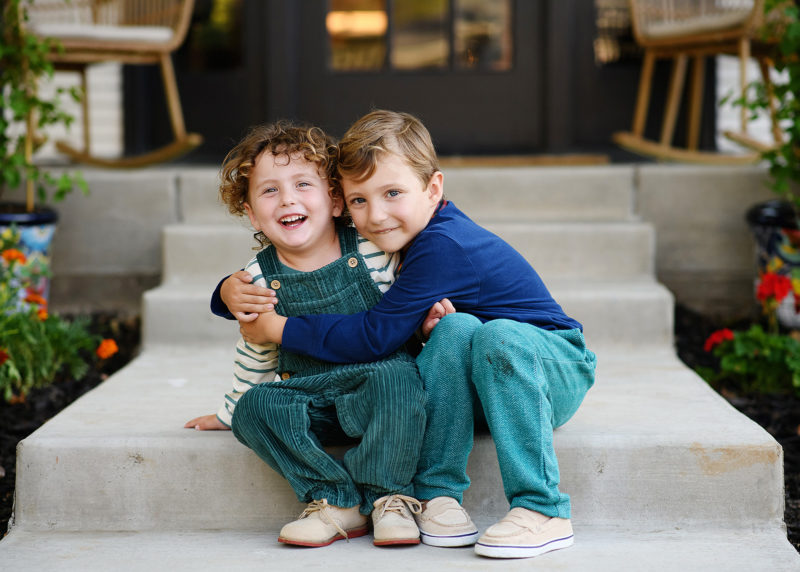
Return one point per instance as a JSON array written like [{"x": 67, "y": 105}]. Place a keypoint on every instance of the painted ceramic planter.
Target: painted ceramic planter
[
  {"x": 774, "y": 225},
  {"x": 36, "y": 232}
]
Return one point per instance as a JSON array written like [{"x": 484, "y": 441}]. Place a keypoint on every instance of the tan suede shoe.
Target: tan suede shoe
[
  {"x": 393, "y": 520},
  {"x": 322, "y": 523},
  {"x": 523, "y": 533},
  {"x": 445, "y": 523}
]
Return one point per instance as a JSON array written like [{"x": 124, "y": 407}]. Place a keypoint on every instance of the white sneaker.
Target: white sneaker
[
  {"x": 445, "y": 523},
  {"x": 322, "y": 523},
  {"x": 393, "y": 520},
  {"x": 523, "y": 533}
]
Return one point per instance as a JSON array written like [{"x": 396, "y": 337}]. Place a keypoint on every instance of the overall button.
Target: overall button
[
  {"x": 275, "y": 284},
  {"x": 285, "y": 375},
  {"x": 352, "y": 262}
]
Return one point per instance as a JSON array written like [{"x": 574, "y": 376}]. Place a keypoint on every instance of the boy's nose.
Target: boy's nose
[
  {"x": 287, "y": 198},
  {"x": 376, "y": 214}
]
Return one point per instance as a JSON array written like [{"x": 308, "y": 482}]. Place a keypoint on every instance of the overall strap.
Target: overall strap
[
  {"x": 268, "y": 261},
  {"x": 348, "y": 240}
]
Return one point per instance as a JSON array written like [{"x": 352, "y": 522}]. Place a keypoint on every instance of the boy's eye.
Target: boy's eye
[
  {"x": 392, "y": 193},
  {"x": 356, "y": 201},
  {"x": 270, "y": 190},
  {"x": 302, "y": 184}
]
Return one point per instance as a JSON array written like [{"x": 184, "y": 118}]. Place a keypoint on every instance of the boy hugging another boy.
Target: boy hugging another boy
[
  {"x": 285, "y": 405},
  {"x": 508, "y": 352}
]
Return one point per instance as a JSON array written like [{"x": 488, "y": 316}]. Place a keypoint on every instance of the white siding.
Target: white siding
[
  {"x": 105, "y": 112},
  {"x": 728, "y": 115}
]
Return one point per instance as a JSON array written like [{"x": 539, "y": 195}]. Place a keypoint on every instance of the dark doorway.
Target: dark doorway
[{"x": 486, "y": 76}]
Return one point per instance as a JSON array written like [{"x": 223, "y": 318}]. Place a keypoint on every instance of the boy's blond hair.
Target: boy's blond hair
[
  {"x": 380, "y": 132},
  {"x": 282, "y": 139}
]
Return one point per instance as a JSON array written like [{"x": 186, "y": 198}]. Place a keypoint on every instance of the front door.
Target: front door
[{"x": 470, "y": 69}]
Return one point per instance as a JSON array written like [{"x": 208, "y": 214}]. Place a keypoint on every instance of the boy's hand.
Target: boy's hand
[
  {"x": 438, "y": 311},
  {"x": 266, "y": 328},
  {"x": 207, "y": 423},
  {"x": 244, "y": 299}
]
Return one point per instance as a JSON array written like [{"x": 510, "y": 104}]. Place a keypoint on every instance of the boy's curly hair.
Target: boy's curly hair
[
  {"x": 282, "y": 138},
  {"x": 380, "y": 132}
]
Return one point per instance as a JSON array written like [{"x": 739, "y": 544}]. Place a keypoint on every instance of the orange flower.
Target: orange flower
[
  {"x": 107, "y": 348},
  {"x": 42, "y": 313},
  {"x": 13, "y": 254},
  {"x": 3, "y": 356},
  {"x": 34, "y": 298}
]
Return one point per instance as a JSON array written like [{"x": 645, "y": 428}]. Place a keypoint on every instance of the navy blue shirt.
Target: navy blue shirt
[{"x": 451, "y": 258}]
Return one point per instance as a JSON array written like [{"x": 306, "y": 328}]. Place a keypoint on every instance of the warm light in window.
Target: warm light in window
[{"x": 356, "y": 23}]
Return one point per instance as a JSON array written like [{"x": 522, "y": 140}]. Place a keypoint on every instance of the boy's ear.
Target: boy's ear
[
  {"x": 436, "y": 187},
  {"x": 338, "y": 205},
  {"x": 251, "y": 216}
]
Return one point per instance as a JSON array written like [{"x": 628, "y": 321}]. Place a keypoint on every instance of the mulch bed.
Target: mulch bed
[
  {"x": 20, "y": 420},
  {"x": 780, "y": 416}
]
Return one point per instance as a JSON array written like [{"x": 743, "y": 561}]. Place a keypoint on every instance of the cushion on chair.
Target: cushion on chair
[
  {"x": 696, "y": 25},
  {"x": 101, "y": 33}
]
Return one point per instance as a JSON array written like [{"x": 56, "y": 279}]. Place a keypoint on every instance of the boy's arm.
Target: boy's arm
[
  {"x": 433, "y": 269},
  {"x": 240, "y": 297},
  {"x": 253, "y": 365},
  {"x": 269, "y": 328},
  {"x": 382, "y": 268}
]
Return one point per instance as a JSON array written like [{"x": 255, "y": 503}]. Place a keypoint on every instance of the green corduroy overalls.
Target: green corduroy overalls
[{"x": 381, "y": 404}]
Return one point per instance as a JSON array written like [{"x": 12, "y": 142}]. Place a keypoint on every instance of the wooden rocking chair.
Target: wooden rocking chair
[
  {"x": 680, "y": 29},
  {"x": 126, "y": 31}
]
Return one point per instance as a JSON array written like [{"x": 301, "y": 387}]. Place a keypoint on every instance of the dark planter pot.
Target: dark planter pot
[
  {"x": 775, "y": 226},
  {"x": 36, "y": 232}
]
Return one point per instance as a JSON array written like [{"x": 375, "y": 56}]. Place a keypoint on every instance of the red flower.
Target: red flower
[
  {"x": 773, "y": 285},
  {"x": 107, "y": 348},
  {"x": 13, "y": 254},
  {"x": 42, "y": 314},
  {"x": 717, "y": 338},
  {"x": 3, "y": 357}
]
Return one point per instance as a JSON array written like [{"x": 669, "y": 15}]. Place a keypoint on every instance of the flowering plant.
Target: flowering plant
[
  {"x": 758, "y": 360},
  {"x": 36, "y": 346}
]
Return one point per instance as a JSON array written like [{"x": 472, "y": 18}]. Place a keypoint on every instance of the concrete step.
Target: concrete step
[
  {"x": 651, "y": 449},
  {"x": 563, "y": 250},
  {"x": 600, "y": 550},
  {"x": 634, "y": 311},
  {"x": 503, "y": 193}
]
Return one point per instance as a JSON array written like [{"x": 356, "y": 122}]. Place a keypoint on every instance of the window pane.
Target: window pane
[
  {"x": 419, "y": 35},
  {"x": 214, "y": 37},
  {"x": 483, "y": 38},
  {"x": 357, "y": 34}
]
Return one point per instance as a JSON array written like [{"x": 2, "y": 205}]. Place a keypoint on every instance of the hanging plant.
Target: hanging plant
[{"x": 26, "y": 113}]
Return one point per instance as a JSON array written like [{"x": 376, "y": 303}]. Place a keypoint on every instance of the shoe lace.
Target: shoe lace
[
  {"x": 397, "y": 503},
  {"x": 322, "y": 506}
]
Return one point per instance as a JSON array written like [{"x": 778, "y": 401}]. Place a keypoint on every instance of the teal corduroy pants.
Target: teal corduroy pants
[{"x": 526, "y": 381}]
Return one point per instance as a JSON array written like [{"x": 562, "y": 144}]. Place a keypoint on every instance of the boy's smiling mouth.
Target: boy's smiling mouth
[{"x": 292, "y": 221}]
